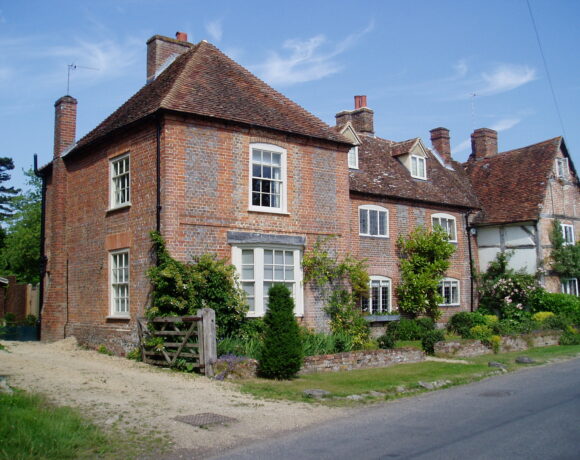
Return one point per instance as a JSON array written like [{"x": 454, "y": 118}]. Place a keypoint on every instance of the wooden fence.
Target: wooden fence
[{"x": 191, "y": 338}]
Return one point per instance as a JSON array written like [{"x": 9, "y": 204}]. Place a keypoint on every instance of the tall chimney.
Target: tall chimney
[
  {"x": 483, "y": 143},
  {"x": 441, "y": 143},
  {"x": 361, "y": 118},
  {"x": 65, "y": 124},
  {"x": 163, "y": 50}
]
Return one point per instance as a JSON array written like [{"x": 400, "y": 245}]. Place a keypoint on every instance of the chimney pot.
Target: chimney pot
[
  {"x": 441, "y": 143},
  {"x": 483, "y": 143},
  {"x": 181, "y": 36},
  {"x": 360, "y": 102}
]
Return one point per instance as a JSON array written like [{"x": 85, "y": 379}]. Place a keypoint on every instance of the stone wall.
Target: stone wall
[
  {"x": 361, "y": 360},
  {"x": 469, "y": 348}
]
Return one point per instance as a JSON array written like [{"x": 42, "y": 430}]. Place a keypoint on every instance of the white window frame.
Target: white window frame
[
  {"x": 367, "y": 304},
  {"x": 353, "y": 157},
  {"x": 568, "y": 229},
  {"x": 282, "y": 209},
  {"x": 415, "y": 172},
  {"x": 368, "y": 208},
  {"x": 448, "y": 217},
  {"x": 562, "y": 167},
  {"x": 113, "y": 188},
  {"x": 569, "y": 286},
  {"x": 451, "y": 282},
  {"x": 113, "y": 312},
  {"x": 258, "y": 280}
]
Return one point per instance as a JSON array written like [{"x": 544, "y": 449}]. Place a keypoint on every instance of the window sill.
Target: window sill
[
  {"x": 118, "y": 318},
  {"x": 257, "y": 315},
  {"x": 382, "y": 237},
  {"x": 269, "y": 211},
  {"x": 452, "y": 305},
  {"x": 420, "y": 178},
  {"x": 119, "y": 208}
]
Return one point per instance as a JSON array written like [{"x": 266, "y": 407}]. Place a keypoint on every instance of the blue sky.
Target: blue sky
[{"x": 418, "y": 62}]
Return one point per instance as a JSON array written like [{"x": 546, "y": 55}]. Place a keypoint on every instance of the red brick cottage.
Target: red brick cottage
[
  {"x": 209, "y": 155},
  {"x": 397, "y": 186}
]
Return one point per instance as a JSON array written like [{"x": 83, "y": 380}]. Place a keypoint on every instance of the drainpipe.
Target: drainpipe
[
  {"x": 42, "y": 265},
  {"x": 471, "y": 274}
]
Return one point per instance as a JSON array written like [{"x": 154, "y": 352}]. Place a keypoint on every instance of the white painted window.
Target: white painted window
[
  {"x": 353, "y": 157},
  {"x": 373, "y": 221},
  {"x": 449, "y": 290},
  {"x": 447, "y": 223},
  {"x": 568, "y": 233},
  {"x": 570, "y": 286},
  {"x": 561, "y": 167},
  {"x": 262, "y": 267},
  {"x": 267, "y": 178},
  {"x": 418, "y": 167},
  {"x": 119, "y": 277},
  {"x": 120, "y": 184},
  {"x": 379, "y": 300}
]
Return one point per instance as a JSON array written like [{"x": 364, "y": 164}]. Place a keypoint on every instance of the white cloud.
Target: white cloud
[
  {"x": 504, "y": 78},
  {"x": 215, "y": 30},
  {"x": 501, "y": 125},
  {"x": 306, "y": 59}
]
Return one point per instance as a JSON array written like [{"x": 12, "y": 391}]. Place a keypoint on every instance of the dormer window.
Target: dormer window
[
  {"x": 418, "y": 167},
  {"x": 561, "y": 167},
  {"x": 353, "y": 157}
]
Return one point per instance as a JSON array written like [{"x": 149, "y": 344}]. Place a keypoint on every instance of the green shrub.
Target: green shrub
[
  {"x": 542, "y": 316},
  {"x": 570, "y": 337},
  {"x": 556, "y": 323},
  {"x": 462, "y": 322},
  {"x": 102, "y": 349},
  {"x": 135, "y": 354},
  {"x": 481, "y": 332},
  {"x": 430, "y": 339},
  {"x": 559, "y": 304},
  {"x": 280, "y": 355},
  {"x": 10, "y": 318},
  {"x": 320, "y": 343},
  {"x": 411, "y": 329},
  {"x": 386, "y": 341},
  {"x": 495, "y": 342},
  {"x": 248, "y": 347},
  {"x": 490, "y": 320}
]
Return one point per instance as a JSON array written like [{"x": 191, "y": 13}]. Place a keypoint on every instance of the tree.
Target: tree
[
  {"x": 565, "y": 257},
  {"x": 281, "y": 351},
  {"x": 424, "y": 259},
  {"x": 20, "y": 253},
  {"x": 6, "y": 193}
]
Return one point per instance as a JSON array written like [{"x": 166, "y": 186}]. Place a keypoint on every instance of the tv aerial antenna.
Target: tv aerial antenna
[{"x": 72, "y": 67}]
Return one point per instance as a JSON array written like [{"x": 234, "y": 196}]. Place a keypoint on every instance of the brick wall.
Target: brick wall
[{"x": 381, "y": 253}]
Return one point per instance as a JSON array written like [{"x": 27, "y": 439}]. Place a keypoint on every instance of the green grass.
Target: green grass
[
  {"x": 387, "y": 379},
  {"x": 31, "y": 428}
]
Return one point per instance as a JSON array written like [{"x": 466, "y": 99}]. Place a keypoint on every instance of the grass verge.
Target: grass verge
[
  {"x": 31, "y": 428},
  {"x": 397, "y": 381}
]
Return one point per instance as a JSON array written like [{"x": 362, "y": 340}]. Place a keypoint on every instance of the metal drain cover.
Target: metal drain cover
[
  {"x": 207, "y": 418},
  {"x": 497, "y": 394}
]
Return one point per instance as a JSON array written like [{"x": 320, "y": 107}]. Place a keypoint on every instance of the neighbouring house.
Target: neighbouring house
[
  {"x": 395, "y": 187},
  {"x": 214, "y": 159},
  {"x": 522, "y": 192}
]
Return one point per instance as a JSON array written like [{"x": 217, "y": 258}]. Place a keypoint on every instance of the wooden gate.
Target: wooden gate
[{"x": 191, "y": 338}]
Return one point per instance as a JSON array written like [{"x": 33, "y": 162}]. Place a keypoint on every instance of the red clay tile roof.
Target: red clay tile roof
[
  {"x": 380, "y": 173},
  {"x": 511, "y": 185},
  {"x": 204, "y": 81}
]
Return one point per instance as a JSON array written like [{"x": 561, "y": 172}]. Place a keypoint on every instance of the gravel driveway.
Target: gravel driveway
[{"x": 128, "y": 395}]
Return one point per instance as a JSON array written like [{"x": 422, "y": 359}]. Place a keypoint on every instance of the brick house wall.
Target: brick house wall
[{"x": 381, "y": 253}]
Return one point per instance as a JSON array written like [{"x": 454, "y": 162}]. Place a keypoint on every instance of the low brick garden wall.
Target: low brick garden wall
[
  {"x": 361, "y": 360},
  {"x": 469, "y": 348}
]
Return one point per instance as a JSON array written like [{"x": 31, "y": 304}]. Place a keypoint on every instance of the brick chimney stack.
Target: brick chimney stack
[
  {"x": 483, "y": 143},
  {"x": 65, "y": 124},
  {"x": 163, "y": 50},
  {"x": 440, "y": 141},
  {"x": 361, "y": 118}
]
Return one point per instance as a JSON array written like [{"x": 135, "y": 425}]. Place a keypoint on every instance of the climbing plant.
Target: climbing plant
[
  {"x": 208, "y": 282},
  {"x": 565, "y": 257},
  {"x": 423, "y": 260},
  {"x": 343, "y": 283}
]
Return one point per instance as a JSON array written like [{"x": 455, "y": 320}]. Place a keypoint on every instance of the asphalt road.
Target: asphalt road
[{"x": 532, "y": 414}]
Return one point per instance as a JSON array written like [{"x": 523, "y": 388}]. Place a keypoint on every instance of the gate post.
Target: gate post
[{"x": 208, "y": 340}]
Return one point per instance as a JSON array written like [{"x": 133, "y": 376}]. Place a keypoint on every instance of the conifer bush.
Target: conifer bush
[{"x": 281, "y": 355}]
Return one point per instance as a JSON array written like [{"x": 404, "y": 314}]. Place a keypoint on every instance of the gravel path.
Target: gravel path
[{"x": 128, "y": 395}]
